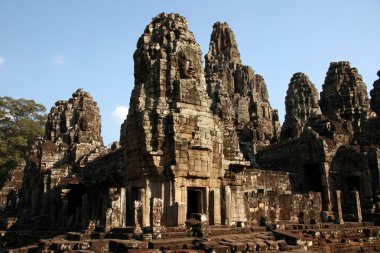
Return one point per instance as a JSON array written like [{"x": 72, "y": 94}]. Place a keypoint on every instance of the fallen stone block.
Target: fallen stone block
[{"x": 120, "y": 245}]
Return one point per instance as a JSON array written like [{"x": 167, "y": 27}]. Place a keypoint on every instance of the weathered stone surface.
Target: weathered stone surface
[
  {"x": 375, "y": 95},
  {"x": 77, "y": 120},
  {"x": 344, "y": 95},
  {"x": 239, "y": 96},
  {"x": 301, "y": 102},
  {"x": 169, "y": 124}
]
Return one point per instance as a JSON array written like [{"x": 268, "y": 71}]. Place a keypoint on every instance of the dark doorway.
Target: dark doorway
[
  {"x": 194, "y": 201},
  {"x": 353, "y": 183},
  {"x": 312, "y": 178},
  {"x": 74, "y": 205}
]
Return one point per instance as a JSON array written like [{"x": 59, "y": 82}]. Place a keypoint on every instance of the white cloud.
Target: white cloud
[
  {"x": 119, "y": 114},
  {"x": 59, "y": 59},
  {"x": 2, "y": 62}
]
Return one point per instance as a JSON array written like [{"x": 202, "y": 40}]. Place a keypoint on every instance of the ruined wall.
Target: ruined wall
[
  {"x": 301, "y": 102},
  {"x": 72, "y": 140},
  {"x": 351, "y": 172},
  {"x": 239, "y": 96},
  {"x": 269, "y": 199},
  {"x": 10, "y": 191}
]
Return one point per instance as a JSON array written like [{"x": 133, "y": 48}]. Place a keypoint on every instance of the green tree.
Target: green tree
[{"x": 21, "y": 122}]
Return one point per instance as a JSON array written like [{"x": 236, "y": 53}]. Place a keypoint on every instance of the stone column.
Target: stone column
[
  {"x": 108, "y": 223},
  {"x": 357, "y": 206},
  {"x": 145, "y": 199},
  {"x": 65, "y": 203},
  {"x": 228, "y": 205},
  {"x": 327, "y": 191},
  {"x": 123, "y": 207},
  {"x": 181, "y": 213},
  {"x": 338, "y": 207},
  {"x": 216, "y": 206},
  {"x": 205, "y": 202},
  {"x": 138, "y": 213},
  {"x": 46, "y": 199},
  {"x": 156, "y": 218}
]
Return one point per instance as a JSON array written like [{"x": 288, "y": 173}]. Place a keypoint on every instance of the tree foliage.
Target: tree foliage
[{"x": 21, "y": 122}]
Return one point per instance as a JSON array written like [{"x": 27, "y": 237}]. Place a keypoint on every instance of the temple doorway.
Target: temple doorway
[
  {"x": 74, "y": 207},
  {"x": 195, "y": 200},
  {"x": 313, "y": 180}
]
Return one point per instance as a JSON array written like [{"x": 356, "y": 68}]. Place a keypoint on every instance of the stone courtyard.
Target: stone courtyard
[{"x": 203, "y": 164}]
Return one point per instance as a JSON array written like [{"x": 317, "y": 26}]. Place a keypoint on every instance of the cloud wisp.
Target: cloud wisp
[
  {"x": 119, "y": 114},
  {"x": 59, "y": 60},
  {"x": 2, "y": 62}
]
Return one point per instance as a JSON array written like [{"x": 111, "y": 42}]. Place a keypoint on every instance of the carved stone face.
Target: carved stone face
[
  {"x": 189, "y": 63},
  {"x": 84, "y": 124}
]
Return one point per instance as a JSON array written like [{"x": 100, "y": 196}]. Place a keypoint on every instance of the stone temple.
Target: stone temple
[{"x": 203, "y": 163}]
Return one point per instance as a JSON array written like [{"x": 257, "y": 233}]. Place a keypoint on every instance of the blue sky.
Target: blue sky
[{"x": 49, "y": 48}]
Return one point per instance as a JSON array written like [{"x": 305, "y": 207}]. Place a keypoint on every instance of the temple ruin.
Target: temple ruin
[{"x": 202, "y": 155}]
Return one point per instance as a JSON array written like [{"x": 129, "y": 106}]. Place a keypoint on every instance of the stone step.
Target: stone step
[
  {"x": 120, "y": 235},
  {"x": 27, "y": 249},
  {"x": 173, "y": 229},
  {"x": 174, "y": 235},
  {"x": 117, "y": 245},
  {"x": 97, "y": 235},
  {"x": 77, "y": 236},
  {"x": 122, "y": 230},
  {"x": 214, "y": 231},
  {"x": 258, "y": 229},
  {"x": 169, "y": 244}
]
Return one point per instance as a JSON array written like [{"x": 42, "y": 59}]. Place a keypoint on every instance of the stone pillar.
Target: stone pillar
[
  {"x": 277, "y": 212},
  {"x": 108, "y": 222},
  {"x": 145, "y": 199},
  {"x": 228, "y": 205},
  {"x": 216, "y": 206},
  {"x": 156, "y": 218},
  {"x": 338, "y": 211},
  {"x": 65, "y": 203},
  {"x": 327, "y": 193},
  {"x": 181, "y": 213},
  {"x": 138, "y": 213},
  {"x": 357, "y": 206},
  {"x": 123, "y": 207},
  {"x": 46, "y": 199},
  {"x": 206, "y": 202},
  {"x": 183, "y": 194}
]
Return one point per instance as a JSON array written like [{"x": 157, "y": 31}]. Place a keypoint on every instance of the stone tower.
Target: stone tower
[
  {"x": 301, "y": 102},
  {"x": 375, "y": 95},
  {"x": 239, "y": 96},
  {"x": 170, "y": 136},
  {"x": 344, "y": 96},
  {"x": 77, "y": 120}
]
